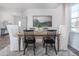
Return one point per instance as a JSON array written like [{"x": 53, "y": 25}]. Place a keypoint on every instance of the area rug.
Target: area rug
[{"x": 40, "y": 51}]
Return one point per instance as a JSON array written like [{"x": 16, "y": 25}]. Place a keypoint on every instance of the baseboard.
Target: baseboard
[{"x": 73, "y": 50}]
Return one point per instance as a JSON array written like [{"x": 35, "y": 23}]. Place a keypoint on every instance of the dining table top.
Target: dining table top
[{"x": 37, "y": 33}]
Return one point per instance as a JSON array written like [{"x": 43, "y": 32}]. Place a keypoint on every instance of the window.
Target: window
[{"x": 75, "y": 17}]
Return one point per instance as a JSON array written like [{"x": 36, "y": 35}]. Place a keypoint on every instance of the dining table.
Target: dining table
[{"x": 38, "y": 34}]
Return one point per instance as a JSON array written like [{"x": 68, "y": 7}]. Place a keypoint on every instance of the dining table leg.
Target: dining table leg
[
  {"x": 58, "y": 46},
  {"x": 19, "y": 43}
]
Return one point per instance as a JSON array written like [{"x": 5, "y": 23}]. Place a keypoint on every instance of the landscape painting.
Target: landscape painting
[{"x": 42, "y": 21}]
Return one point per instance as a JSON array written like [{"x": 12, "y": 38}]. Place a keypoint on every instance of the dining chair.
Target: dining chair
[
  {"x": 29, "y": 39},
  {"x": 13, "y": 29},
  {"x": 45, "y": 29},
  {"x": 63, "y": 30},
  {"x": 50, "y": 39}
]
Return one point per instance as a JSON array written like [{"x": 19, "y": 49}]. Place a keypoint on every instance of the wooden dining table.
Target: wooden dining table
[{"x": 38, "y": 34}]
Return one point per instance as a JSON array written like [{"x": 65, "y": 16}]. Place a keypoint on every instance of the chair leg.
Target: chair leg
[
  {"x": 34, "y": 48},
  {"x": 46, "y": 49},
  {"x": 35, "y": 45},
  {"x": 25, "y": 46},
  {"x": 43, "y": 44},
  {"x": 51, "y": 45},
  {"x": 55, "y": 49}
]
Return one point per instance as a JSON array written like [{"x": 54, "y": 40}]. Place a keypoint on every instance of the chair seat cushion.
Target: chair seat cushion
[
  {"x": 29, "y": 40},
  {"x": 49, "y": 41}
]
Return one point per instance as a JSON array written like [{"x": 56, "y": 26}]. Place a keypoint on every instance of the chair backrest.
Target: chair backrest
[
  {"x": 45, "y": 29},
  {"x": 13, "y": 29},
  {"x": 51, "y": 33},
  {"x": 63, "y": 30},
  {"x": 29, "y": 34},
  {"x": 32, "y": 28}
]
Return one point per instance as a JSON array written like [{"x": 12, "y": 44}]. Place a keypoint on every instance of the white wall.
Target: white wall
[
  {"x": 56, "y": 14},
  {"x": 67, "y": 21},
  {"x": 6, "y": 16}
]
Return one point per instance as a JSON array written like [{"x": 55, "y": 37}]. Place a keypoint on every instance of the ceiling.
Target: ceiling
[{"x": 19, "y": 6}]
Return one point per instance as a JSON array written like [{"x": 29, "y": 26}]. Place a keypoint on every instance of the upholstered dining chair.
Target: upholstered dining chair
[
  {"x": 13, "y": 29},
  {"x": 63, "y": 30},
  {"x": 29, "y": 39},
  {"x": 50, "y": 39}
]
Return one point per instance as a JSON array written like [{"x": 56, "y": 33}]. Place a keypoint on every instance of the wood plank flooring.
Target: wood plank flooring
[{"x": 4, "y": 41}]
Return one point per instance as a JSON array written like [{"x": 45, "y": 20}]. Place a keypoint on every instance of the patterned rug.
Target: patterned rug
[{"x": 40, "y": 51}]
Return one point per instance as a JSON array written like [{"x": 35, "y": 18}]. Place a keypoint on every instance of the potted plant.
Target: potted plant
[{"x": 39, "y": 26}]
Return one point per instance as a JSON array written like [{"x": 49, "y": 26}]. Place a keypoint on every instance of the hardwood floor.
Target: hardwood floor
[{"x": 4, "y": 41}]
